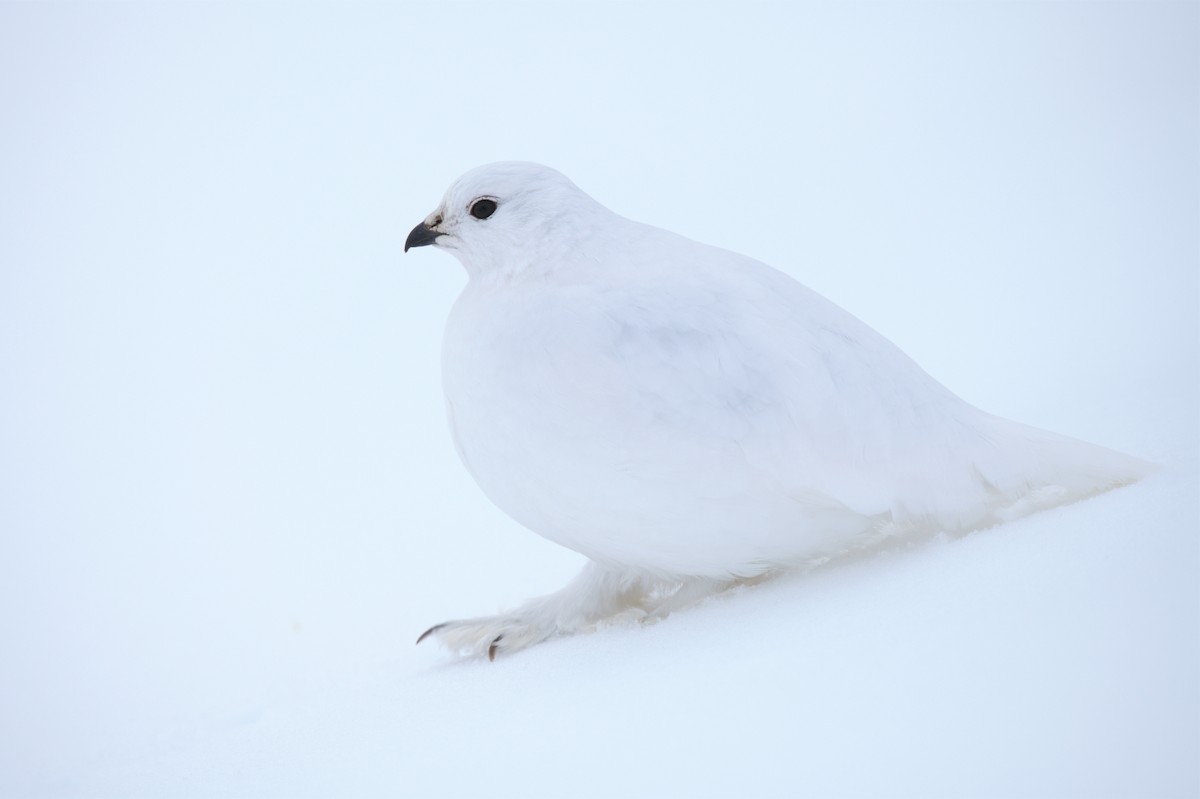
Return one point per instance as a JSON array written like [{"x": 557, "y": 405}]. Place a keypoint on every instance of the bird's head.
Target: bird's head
[{"x": 502, "y": 217}]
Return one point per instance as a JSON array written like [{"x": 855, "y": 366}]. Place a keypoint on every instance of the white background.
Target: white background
[{"x": 228, "y": 502}]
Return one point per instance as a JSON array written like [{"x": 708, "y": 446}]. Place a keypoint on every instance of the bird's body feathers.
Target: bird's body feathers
[{"x": 694, "y": 412}]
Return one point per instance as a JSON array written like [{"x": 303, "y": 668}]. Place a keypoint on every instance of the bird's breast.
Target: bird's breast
[{"x": 622, "y": 428}]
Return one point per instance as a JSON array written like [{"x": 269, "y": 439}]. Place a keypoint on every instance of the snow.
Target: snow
[{"x": 229, "y": 504}]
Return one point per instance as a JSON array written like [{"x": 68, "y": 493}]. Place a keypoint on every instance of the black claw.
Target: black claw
[
  {"x": 492, "y": 648},
  {"x": 432, "y": 629}
]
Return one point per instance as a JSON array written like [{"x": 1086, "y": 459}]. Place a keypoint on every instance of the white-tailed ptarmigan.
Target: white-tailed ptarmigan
[{"x": 687, "y": 417}]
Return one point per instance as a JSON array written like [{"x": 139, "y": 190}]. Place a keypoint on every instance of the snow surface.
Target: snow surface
[{"x": 228, "y": 501}]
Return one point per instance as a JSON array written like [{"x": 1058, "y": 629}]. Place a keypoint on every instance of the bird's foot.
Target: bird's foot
[
  {"x": 489, "y": 635},
  {"x": 599, "y": 594}
]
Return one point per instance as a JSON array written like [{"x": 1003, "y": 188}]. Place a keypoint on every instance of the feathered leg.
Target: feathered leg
[{"x": 598, "y": 594}]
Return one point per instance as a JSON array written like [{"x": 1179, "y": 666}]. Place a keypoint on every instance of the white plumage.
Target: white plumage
[{"x": 686, "y": 417}]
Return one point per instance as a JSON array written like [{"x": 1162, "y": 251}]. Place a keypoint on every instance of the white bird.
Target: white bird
[{"x": 687, "y": 417}]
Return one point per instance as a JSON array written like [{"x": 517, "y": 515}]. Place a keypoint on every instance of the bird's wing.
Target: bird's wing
[{"x": 828, "y": 409}]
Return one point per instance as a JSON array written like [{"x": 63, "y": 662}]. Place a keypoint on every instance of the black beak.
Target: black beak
[{"x": 421, "y": 236}]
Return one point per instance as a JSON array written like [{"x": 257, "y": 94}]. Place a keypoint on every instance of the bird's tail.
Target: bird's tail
[{"x": 1024, "y": 469}]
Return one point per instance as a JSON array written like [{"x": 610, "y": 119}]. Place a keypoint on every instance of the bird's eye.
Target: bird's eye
[{"x": 482, "y": 209}]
